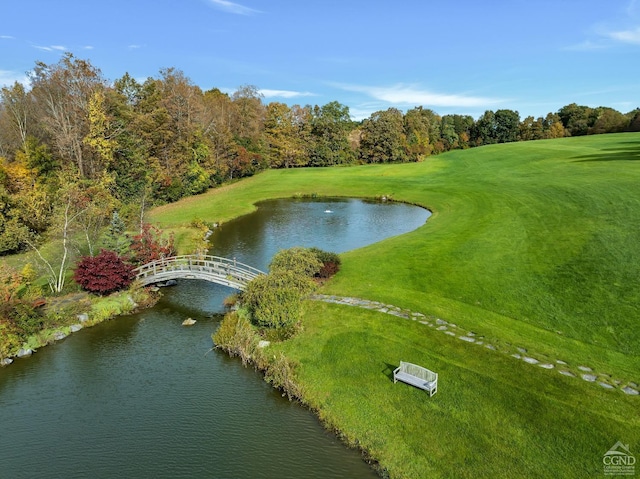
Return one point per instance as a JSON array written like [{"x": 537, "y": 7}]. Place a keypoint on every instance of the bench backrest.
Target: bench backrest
[{"x": 418, "y": 371}]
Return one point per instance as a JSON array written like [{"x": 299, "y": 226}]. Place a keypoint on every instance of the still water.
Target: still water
[{"x": 144, "y": 397}]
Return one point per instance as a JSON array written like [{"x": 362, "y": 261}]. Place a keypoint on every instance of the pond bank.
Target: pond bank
[{"x": 100, "y": 309}]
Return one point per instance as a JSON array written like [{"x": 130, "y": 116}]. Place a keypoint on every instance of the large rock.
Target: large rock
[
  {"x": 24, "y": 353},
  {"x": 59, "y": 335},
  {"x": 83, "y": 317},
  {"x": 74, "y": 328},
  {"x": 5, "y": 361}
]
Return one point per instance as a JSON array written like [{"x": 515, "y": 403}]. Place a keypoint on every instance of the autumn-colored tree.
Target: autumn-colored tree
[
  {"x": 63, "y": 92},
  {"x": 102, "y": 274},
  {"x": 18, "y": 319},
  {"x": 150, "y": 245},
  {"x": 247, "y": 117},
  {"x": 18, "y": 106},
  {"x": 284, "y": 145}
]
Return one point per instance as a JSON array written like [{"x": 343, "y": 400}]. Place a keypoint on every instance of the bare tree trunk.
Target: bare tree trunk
[{"x": 56, "y": 275}]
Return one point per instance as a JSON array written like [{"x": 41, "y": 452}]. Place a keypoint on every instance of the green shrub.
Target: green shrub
[
  {"x": 301, "y": 261},
  {"x": 275, "y": 300},
  {"x": 10, "y": 341},
  {"x": 26, "y": 320}
]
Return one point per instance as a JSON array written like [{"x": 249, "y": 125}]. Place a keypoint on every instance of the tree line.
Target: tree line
[{"x": 76, "y": 147}]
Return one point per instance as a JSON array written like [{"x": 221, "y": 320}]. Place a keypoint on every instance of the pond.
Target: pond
[{"x": 142, "y": 396}]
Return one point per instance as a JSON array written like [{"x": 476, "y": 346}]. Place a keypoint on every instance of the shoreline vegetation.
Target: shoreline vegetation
[{"x": 77, "y": 311}]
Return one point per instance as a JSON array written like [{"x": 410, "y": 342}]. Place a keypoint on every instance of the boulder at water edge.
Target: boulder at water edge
[{"x": 188, "y": 322}]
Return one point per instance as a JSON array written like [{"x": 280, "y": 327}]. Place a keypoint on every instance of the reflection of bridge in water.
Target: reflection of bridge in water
[{"x": 227, "y": 272}]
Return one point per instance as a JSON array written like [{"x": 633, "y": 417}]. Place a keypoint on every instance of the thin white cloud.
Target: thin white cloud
[
  {"x": 51, "y": 48},
  {"x": 134, "y": 47},
  {"x": 626, "y": 36},
  {"x": 88, "y": 47},
  {"x": 401, "y": 94},
  {"x": 231, "y": 7},
  {"x": 7, "y": 37},
  {"x": 267, "y": 93},
  {"x": 8, "y": 78}
]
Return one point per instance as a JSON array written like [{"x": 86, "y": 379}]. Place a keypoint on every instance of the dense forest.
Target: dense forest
[{"x": 75, "y": 147}]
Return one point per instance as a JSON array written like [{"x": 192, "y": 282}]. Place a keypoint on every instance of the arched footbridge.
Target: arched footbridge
[{"x": 224, "y": 271}]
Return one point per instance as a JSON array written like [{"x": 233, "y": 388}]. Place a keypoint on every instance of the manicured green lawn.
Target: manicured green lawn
[
  {"x": 532, "y": 245},
  {"x": 493, "y": 416}
]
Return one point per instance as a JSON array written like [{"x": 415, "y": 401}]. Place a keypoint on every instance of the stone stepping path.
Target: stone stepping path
[{"x": 585, "y": 372}]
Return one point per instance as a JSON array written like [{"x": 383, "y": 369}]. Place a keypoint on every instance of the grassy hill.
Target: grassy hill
[{"x": 532, "y": 245}]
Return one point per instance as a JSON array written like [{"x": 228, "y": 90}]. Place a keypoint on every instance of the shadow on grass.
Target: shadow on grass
[
  {"x": 388, "y": 370},
  {"x": 626, "y": 151}
]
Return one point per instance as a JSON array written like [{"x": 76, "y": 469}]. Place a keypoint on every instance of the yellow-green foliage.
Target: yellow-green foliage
[
  {"x": 107, "y": 307},
  {"x": 301, "y": 261},
  {"x": 236, "y": 336}
]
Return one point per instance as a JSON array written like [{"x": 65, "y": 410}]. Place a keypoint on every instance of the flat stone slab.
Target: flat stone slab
[
  {"x": 589, "y": 377},
  {"x": 605, "y": 385},
  {"x": 442, "y": 328},
  {"x": 559, "y": 361},
  {"x": 450, "y": 333},
  {"x": 630, "y": 391},
  {"x": 586, "y": 369},
  {"x": 546, "y": 365},
  {"x": 529, "y": 360},
  {"x": 522, "y": 350},
  {"x": 517, "y": 356},
  {"x": 467, "y": 339},
  {"x": 263, "y": 344},
  {"x": 490, "y": 346},
  {"x": 440, "y": 321},
  {"x": 567, "y": 373}
]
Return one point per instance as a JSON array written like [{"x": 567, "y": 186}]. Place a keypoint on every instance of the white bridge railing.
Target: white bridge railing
[{"x": 224, "y": 271}]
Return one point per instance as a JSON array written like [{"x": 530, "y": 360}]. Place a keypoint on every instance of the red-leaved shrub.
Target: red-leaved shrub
[
  {"x": 150, "y": 245},
  {"x": 104, "y": 273}
]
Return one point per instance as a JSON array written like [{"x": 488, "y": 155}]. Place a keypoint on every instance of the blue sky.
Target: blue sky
[{"x": 455, "y": 56}]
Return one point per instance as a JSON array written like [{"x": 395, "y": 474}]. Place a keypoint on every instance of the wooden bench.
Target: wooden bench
[{"x": 416, "y": 376}]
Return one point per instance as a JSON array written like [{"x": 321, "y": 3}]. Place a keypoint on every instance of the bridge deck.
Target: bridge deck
[{"x": 224, "y": 271}]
